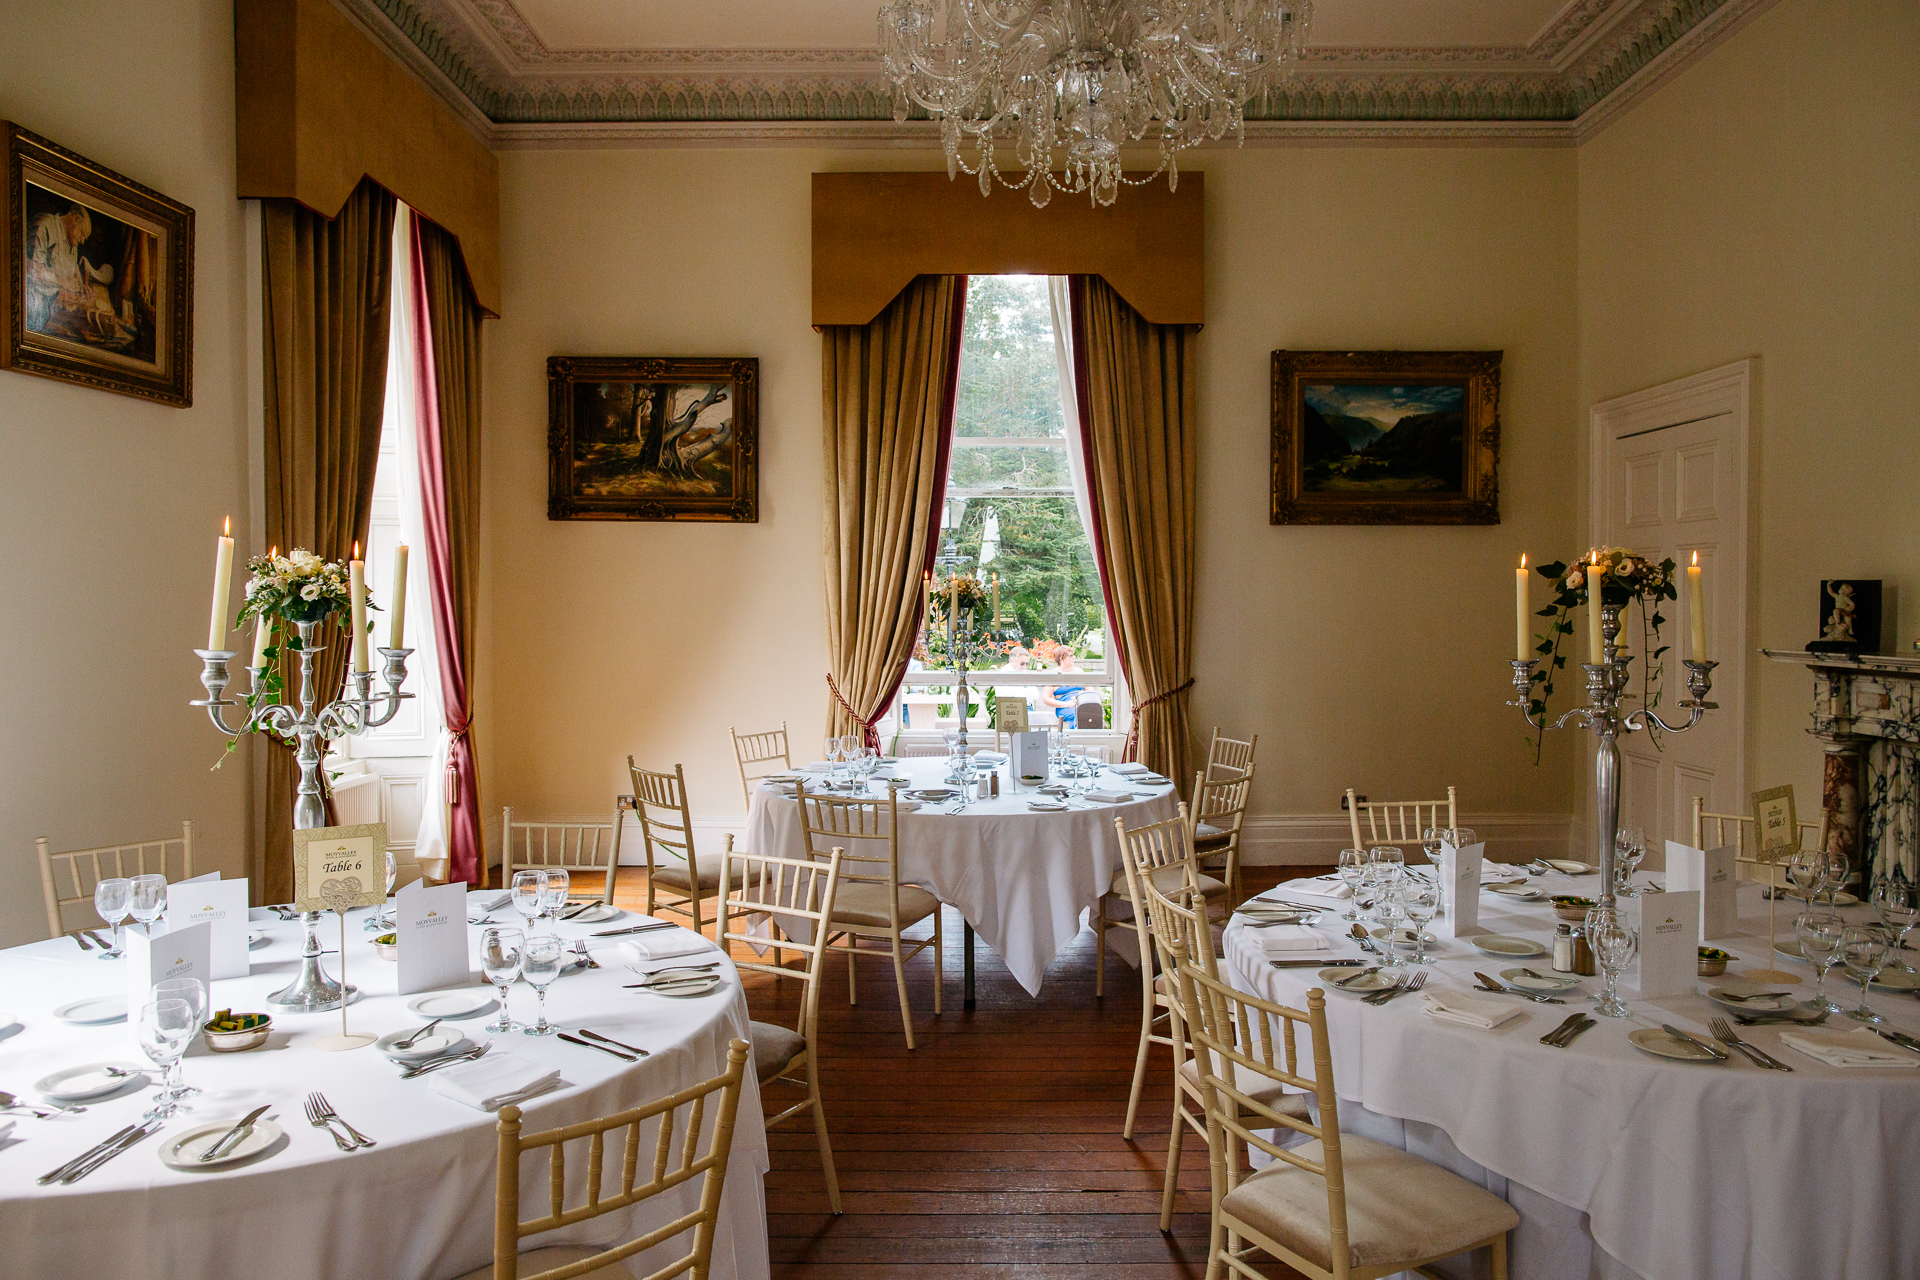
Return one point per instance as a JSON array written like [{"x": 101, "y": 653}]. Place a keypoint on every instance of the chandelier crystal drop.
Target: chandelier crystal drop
[{"x": 1072, "y": 81}]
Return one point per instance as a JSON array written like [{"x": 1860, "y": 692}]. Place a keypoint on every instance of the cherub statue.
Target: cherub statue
[{"x": 1840, "y": 621}]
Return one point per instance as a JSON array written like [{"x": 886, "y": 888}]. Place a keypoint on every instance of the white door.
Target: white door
[{"x": 1670, "y": 476}]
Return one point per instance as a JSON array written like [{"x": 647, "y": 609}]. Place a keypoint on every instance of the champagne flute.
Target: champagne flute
[
  {"x": 111, "y": 898},
  {"x": 165, "y": 1029},
  {"x": 1614, "y": 943},
  {"x": 1897, "y": 905},
  {"x": 1864, "y": 950},
  {"x": 149, "y": 900},
  {"x": 500, "y": 962},
  {"x": 553, "y": 894},
  {"x": 529, "y": 890},
  {"x": 194, "y": 992},
  {"x": 540, "y": 963},
  {"x": 1353, "y": 873},
  {"x": 1820, "y": 934}
]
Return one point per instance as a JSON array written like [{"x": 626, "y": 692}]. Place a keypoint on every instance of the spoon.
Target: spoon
[
  {"x": 408, "y": 1042},
  {"x": 9, "y": 1103},
  {"x": 1758, "y": 995}
]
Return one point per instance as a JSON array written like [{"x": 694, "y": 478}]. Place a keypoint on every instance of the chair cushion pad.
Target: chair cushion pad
[
  {"x": 1268, "y": 1093},
  {"x": 532, "y": 1264},
  {"x": 774, "y": 1046},
  {"x": 1168, "y": 880},
  {"x": 674, "y": 874},
  {"x": 1400, "y": 1208},
  {"x": 865, "y": 904},
  {"x": 1207, "y": 836}
]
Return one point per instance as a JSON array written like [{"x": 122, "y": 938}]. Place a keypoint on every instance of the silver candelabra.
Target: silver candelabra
[
  {"x": 1606, "y": 684},
  {"x": 313, "y": 991}
]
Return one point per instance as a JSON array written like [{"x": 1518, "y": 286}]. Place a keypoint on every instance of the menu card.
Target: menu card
[
  {"x": 1711, "y": 873},
  {"x": 1669, "y": 960},
  {"x": 1460, "y": 891},
  {"x": 430, "y": 925},
  {"x": 177, "y": 953},
  {"x": 221, "y": 905},
  {"x": 1029, "y": 755}
]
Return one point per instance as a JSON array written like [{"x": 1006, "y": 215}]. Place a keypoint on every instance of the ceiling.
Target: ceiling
[{"x": 559, "y": 72}]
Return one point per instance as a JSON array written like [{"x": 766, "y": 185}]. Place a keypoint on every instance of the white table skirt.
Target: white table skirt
[
  {"x": 1022, "y": 879},
  {"x": 419, "y": 1206},
  {"x": 1623, "y": 1164}
]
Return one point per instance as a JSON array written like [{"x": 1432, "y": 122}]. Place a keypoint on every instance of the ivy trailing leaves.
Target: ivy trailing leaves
[{"x": 1629, "y": 577}]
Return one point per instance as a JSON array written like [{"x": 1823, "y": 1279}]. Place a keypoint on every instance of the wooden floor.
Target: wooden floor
[{"x": 994, "y": 1148}]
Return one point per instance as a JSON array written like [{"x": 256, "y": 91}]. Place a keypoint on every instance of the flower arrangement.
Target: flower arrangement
[
  {"x": 1629, "y": 576},
  {"x": 973, "y": 593}
]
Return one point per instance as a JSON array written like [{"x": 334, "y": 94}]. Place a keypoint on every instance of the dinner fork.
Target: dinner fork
[
  {"x": 1381, "y": 997},
  {"x": 319, "y": 1121},
  {"x": 1758, "y": 1057},
  {"x": 326, "y": 1112}
]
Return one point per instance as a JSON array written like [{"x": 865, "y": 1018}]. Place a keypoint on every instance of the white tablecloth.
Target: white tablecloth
[
  {"x": 419, "y": 1206},
  {"x": 1022, "y": 879},
  {"x": 1678, "y": 1171}
]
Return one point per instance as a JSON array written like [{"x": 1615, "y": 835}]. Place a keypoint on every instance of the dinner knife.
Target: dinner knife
[
  {"x": 1900, "y": 1038},
  {"x": 98, "y": 940},
  {"x": 146, "y": 1130},
  {"x": 232, "y": 1137},
  {"x": 1578, "y": 1031},
  {"x": 588, "y": 1044},
  {"x": 637, "y": 928},
  {"x": 1553, "y": 1037},
  {"x": 618, "y": 1044},
  {"x": 434, "y": 1064},
  {"x": 1317, "y": 964},
  {"x": 81, "y": 939},
  {"x": 84, "y": 1156},
  {"x": 1491, "y": 985},
  {"x": 1678, "y": 1034}
]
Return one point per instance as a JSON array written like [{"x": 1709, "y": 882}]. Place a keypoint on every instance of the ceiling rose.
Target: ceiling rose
[{"x": 1072, "y": 81}]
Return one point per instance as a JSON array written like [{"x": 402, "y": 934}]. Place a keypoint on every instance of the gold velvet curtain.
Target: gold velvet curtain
[
  {"x": 888, "y": 404},
  {"x": 327, "y": 304},
  {"x": 1135, "y": 382}
]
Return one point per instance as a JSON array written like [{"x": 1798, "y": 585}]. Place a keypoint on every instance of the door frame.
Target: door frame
[{"x": 1725, "y": 390}]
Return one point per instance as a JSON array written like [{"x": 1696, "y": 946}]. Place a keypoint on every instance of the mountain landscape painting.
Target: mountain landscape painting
[{"x": 1374, "y": 438}]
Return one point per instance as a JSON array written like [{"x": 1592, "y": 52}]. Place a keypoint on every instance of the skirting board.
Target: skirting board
[{"x": 1271, "y": 840}]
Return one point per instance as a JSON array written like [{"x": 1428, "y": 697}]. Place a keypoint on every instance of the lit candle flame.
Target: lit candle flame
[
  {"x": 1696, "y": 557},
  {"x": 226, "y": 529},
  {"x": 1523, "y": 559},
  {"x": 356, "y": 551}
]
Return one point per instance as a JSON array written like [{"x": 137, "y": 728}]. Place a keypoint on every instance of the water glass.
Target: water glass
[
  {"x": 1820, "y": 934},
  {"x": 1389, "y": 909},
  {"x": 1897, "y": 906},
  {"x": 553, "y": 894},
  {"x": 1392, "y": 863},
  {"x": 1421, "y": 903},
  {"x": 194, "y": 993},
  {"x": 1808, "y": 872},
  {"x": 1430, "y": 841},
  {"x": 111, "y": 898},
  {"x": 540, "y": 964},
  {"x": 1629, "y": 847},
  {"x": 500, "y": 951},
  {"x": 1864, "y": 949},
  {"x": 529, "y": 890},
  {"x": 1353, "y": 873},
  {"x": 1614, "y": 944},
  {"x": 830, "y": 747},
  {"x": 165, "y": 1029},
  {"x": 149, "y": 900},
  {"x": 1464, "y": 836}
]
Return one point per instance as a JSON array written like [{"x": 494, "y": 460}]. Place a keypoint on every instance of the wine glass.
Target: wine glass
[
  {"x": 1897, "y": 905},
  {"x": 1864, "y": 949},
  {"x": 1353, "y": 871},
  {"x": 529, "y": 889},
  {"x": 149, "y": 900},
  {"x": 165, "y": 1029},
  {"x": 540, "y": 963},
  {"x": 1430, "y": 842},
  {"x": 830, "y": 747},
  {"x": 382, "y": 917},
  {"x": 1421, "y": 903},
  {"x": 194, "y": 992},
  {"x": 1820, "y": 934},
  {"x": 1838, "y": 873},
  {"x": 111, "y": 898},
  {"x": 1614, "y": 943},
  {"x": 1629, "y": 847},
  {"x": 1391, "y": 911},
  {"x": 1464, "y": 836},
  {"x": 1807, "y": 871},
  {"x": 500, "y": 951},
  {"x": 1392, "y": 863},
  {"x": 554, "y": 893}
]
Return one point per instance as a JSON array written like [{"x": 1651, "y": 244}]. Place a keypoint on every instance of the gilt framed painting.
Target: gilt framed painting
[
  {"x": 653, "y": 438},
  {"x": 1386, "y": 437},
  {"x": 99, "y": 275}
]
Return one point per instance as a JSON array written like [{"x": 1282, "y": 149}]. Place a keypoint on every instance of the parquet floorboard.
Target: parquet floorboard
[{"x": 993, "y": 1150}]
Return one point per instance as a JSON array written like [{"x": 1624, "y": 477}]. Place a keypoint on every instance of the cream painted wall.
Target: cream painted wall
[
  {"x": 1764, "y": 204},
  {"x": 608, "y": 638},
  {"x": 109, "y": 505}
]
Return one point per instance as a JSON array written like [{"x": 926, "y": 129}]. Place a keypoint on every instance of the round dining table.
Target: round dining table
[
  {"x": 416, "y": 1206},
  {"x": 1023, "y": 878},
  {"x": 1624, "y": 1165}
]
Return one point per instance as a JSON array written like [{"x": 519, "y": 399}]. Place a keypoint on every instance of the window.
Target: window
[{"x": 1012, "y": 517}]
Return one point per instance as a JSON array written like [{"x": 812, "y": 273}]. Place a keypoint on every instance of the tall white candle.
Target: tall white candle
[
  {"x": 222, "y": 580},
  {"x": 1696, "y": 611},
  {"x": 1596, "y": 575},
  {"x": 1522, "y": 636},
  {"x": 397, "y": 598},
  {"x": 262, "y": 633},
  {"x": 357, "y": 581}
]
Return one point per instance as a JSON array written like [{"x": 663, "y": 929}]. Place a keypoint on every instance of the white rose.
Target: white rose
[
  {"x": 1625, "y": 568},
  {"x": 310, "y": 592},
  {"x": 1574, "y": 580}
]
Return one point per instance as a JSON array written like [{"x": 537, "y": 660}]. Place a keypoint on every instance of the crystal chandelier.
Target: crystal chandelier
[{"x": 1072, "y": 81}]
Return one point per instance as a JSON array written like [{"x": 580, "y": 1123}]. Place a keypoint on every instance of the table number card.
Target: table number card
[
  {"x": 430, "y": 927},
  {"x": 222, "y": 906},
  {"x": 1710, "y": 873},
  {"x": 339, "y": 868},
  {"x": 177, "y": 953},
  {"x": 1669, "y": 960},
  {"x": 1010, "y": 715},
  {"x": 1460, "y": 891}
]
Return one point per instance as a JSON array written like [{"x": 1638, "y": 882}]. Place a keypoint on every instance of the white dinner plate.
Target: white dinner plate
[
  {"x": 183, "y": 1151},
  {"x": 1774, "y": 1004},
  {"x": 429, "y": 1046},
  {"x": 1495, "y": 944},
  {"x": 1377, "y": 981},
  {"x": 933, "y": 793},
  {"x": 452, "y": 1004},
  {"x": 256, "y": 939},
  {"x": 1545, "y": 982},
  {"x": 598, "y": 913},
  {"x": 1889, "y": 979},
  {"x": 1661, "y": 1045},
  {"x": 1568, "y": 867},
  {"x": 692, "y": 991},
  {"x": 1507, "y": 889},
  {"x": 93, "y": 1010},
  {"x": 77, "y": 1084}
]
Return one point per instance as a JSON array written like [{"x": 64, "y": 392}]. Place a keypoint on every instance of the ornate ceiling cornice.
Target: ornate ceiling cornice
[{"x": 491, "y": 67}]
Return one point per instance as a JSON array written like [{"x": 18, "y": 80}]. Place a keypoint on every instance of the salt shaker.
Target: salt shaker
[{"x": 1563, "y": 949}]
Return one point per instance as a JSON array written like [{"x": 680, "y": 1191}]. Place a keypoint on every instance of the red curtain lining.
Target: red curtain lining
[{"x": 1076, "y": 293}]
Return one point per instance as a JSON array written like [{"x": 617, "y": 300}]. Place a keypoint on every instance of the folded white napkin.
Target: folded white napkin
[
  {"x": 1129, "y": 766},
  {"x": 817, "y": 766},
  {"x": 489, "y": 1083},
  {"x": 643, "y": 948},
  {"x": 1468, "y": 1010},
  {"x": 1109, "y": 797},
  {"x": 1858, "y": 1048},
  {"x": 1319, "y": 887},
  {"x": 990, "y": 757},
  {"x": 1287, "y": 938}
]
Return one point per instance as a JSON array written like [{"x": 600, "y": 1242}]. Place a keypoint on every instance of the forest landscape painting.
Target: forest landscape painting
[{"x": 652, "y": 438}]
